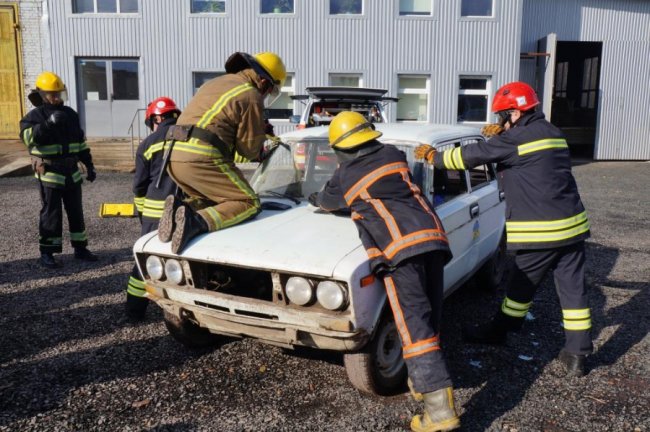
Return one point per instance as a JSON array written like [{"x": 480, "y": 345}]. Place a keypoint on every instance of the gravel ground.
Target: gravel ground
[{"x": 69, "y": 360}]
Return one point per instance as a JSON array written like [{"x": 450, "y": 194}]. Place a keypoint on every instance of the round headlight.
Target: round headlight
[
  {"x": 331, "y": 295},
  {"x": 174, "y": 271},
  {"x": 155, "y": 267},
  {"x": 299, "y": 290}
]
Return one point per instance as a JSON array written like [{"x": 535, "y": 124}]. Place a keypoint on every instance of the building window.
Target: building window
[
  {"x": 346, "y": 7},
  {"x": 282, "y": 107},
  {"x": 276, "y": 6},
  {"x": 208, "y": 6},
  {"x": 473, "y": 94},
  {"x": 200, "y": 78},
  {"x": 104, "y": 6},
  {"x": 476, "y": 8},
  {"x": 413, "y": 93},
  {"x": 345, "y": 80},
  {"x": 561, "y": 78},
  {"x": 589, "y": 83},
  {"x": 415, "y": 7}
]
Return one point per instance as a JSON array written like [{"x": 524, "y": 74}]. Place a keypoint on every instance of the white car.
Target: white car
[{"x": 297, "y": 276}]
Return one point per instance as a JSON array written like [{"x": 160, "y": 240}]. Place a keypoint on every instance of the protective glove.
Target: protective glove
[
  {"x": 491, "y": 130},
  {"x": 92, "y": 175},
  {"x": 313, "y": 199},
  {"x": 269, "y": 145},
  {"x": 56, "y": 119},
  {"x": 424, "y": 151}
]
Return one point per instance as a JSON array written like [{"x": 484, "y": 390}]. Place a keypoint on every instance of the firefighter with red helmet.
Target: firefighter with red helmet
[
  {"x": 224, "y": 118},
  {"x": 161, "y": 114},
  {"x": 546, "y": 222},
  {"x": 56, "y": 143},
  {"x": 407, "y": 248}
]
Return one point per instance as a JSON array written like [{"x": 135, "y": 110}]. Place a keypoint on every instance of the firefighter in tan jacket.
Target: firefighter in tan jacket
[{"x": 226, "y": 116}]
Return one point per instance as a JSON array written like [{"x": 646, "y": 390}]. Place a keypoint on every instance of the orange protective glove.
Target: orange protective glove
[
  {"x": 424, "y": 151},
  {"x": 488, "y": 131}
]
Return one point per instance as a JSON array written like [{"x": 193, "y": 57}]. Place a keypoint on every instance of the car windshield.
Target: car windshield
[{"x": 295, "y": 169}]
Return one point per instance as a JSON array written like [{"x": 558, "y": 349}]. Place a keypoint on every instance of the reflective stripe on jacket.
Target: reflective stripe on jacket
[
  {"x": 543, "y": 206},
  {"x": 394, "y": 220}
]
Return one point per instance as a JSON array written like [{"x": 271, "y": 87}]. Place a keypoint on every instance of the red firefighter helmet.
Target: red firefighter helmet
[
  {"x": 159, "y": 106},
  {"x": 514, "y": 95}
]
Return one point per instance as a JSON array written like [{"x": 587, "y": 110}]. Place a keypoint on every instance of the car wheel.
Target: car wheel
[
  {"x": 379, "y": 368},
  {"x": 490, "y": 276},
  {"x": 188, "y": 333}
]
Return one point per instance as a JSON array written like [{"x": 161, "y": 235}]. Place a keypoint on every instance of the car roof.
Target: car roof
[
  {"x": 344, "y": 94},
  {"x": 396, "y": 132}
]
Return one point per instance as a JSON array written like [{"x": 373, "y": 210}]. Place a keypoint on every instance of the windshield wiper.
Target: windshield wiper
[{"x": 279, "y": 195}]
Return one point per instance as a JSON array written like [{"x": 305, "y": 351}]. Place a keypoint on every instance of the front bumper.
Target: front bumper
[{"x": 268, "y": 322}]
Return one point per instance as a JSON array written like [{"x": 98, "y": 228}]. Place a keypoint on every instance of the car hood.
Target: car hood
[{"x": 302, "y": 239}]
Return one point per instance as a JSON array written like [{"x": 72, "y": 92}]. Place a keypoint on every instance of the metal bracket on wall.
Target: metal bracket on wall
[{"x": 532, "y": 55}]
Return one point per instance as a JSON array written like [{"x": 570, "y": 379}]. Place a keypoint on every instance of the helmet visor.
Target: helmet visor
[
  {"x": 54, "y": 97},
  {"x": 272, "y": 97}
]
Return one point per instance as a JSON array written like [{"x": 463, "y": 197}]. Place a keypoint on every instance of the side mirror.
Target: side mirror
[{"x": 294, "y": 119}]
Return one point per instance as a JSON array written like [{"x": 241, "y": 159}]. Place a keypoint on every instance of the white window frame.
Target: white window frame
[
  {"x": 95, "y": 12},
  {"x": 331, "y": 15},
  {"x": 343, "y": 75},
  {"x": 289, "y": 90},
  {"x": 412, "y": 16},
  {"x": 476, "y": 92},
  {"x": 276, "y": 14},
  {"x": 426, "y": 91},
  {"x": 225, "y": 10}
]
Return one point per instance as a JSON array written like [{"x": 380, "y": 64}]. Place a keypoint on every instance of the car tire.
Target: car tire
[
  {"x": 379, "y": 368},
  {"x": 491, "y": 275},
  {"x": 188, "y": 333}
]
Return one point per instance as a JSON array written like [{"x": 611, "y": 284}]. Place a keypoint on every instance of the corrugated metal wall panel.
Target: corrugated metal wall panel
[{"x": 624, "y": 28}]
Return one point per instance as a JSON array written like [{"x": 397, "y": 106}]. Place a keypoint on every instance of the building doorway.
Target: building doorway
[
  {"x": 109, "y": 95},
  {"x": 575, "y": 94},
  {"x": 11, "y": 96}
]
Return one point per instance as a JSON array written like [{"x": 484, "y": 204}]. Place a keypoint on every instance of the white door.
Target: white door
[
  {"x": 545, "y": 74},
  {"x": 109, "y": 95}
]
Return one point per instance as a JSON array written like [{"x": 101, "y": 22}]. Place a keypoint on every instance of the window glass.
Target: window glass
[
  {"x": 200, "y": 78},
  {"x": 447, "y": 184},
  {"x": 208, "y": 6},
  {"x": 125, "y": 80},
  {"x": 342, "y": 7},
  {"x": 93, "y": 80},
  {"x": 276, "y": 6},
  {"x": 83, "y": 6},
  {"x": 413, "y": 96},
  {"x": 282, "y": 107},
  {"x": 477, "y": 8},
  {"x": 128, "y": 6},
  {"x": 106, "y": 6},
  {"x": 473, "y": 94},
  {"x": 415, "y": 7},
  {"x": 345, "y": 80}
]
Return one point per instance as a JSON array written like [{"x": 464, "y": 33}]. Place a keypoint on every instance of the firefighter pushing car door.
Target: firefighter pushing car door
[
  {"x": 546, "y": 223},
  {"x": 150, "y": 195},
  {"x": 407, "y": 247},
  {"x": 56, "y": 142},
  {"x": 225, "y": 116}
]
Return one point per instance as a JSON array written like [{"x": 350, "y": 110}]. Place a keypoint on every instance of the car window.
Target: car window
[
  {"x": 480, "y": 175},
  {"x": 447, "y": 184}
]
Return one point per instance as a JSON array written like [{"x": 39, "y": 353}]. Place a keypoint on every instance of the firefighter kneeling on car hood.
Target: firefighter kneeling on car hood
[
  {"x": 408, "y": 250},
  {"x": 546, "y": 223}
]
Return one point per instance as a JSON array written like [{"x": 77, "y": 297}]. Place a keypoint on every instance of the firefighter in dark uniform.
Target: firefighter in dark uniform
[
  {"x": 224, "y": 118},
  {"x": 56, "y": 142},
  {"x": 150, "y": 199},
  {"x": 408, "y": 250},
  {"x": 546, "y": 223}
]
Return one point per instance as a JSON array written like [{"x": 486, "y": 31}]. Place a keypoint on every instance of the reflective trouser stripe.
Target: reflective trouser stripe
[
  {"x": 135, "y": 287},
  {"x": 50, "y": 241},
  {"x": 515, "y": 309},
  {"x": 576, "y": 319},
  {"x": 139, "y": 203},
  {"x": 79, "y": 236},
  {"x": 153, "y": 208},
  {"x": 397, "y": 311},
  {"x": 421, "y": 347}
]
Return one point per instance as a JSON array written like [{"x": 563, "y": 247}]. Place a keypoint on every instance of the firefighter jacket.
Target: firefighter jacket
[
  {"x": 57, "y": 147},
  {"x": 149, "y": 199},
  {"x": 394, "y": 220},
  {"x": 231, "y": 107},
  {"x": 543, "y": 207}
]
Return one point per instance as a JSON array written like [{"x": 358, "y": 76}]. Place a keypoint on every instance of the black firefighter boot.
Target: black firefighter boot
[
  {"x": 188, "y": 225},
  {"x": 166, "y": 224},
  {"x": 83, "y": 254},
  {"x": 493, "y": 332},
  {"x": 48, "y": 261},
  {"x": 136, "y": 308},
  {"x": 439, "y": 412},
  {"x": 573, "y": 363}
]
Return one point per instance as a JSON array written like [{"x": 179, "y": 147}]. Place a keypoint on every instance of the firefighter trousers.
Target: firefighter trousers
[
  {"x": 568, "y": 266},
  {"x": 50, "y": 227},
  {"x": 415, "y": 293},
  {"x": 216, "y": 189},
  {"x": 135, "y": 293}
]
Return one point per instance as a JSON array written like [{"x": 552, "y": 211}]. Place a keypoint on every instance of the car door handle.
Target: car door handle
[
  {"x": 473, "y": 211},
  {"x": 502, "y": 195}
]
